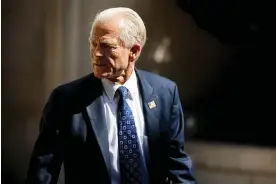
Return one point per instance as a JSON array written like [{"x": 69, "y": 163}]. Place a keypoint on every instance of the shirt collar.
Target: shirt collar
[{"x": 111, "y": 87}]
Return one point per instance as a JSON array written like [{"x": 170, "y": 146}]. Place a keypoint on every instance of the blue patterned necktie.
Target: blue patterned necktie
[{"x": 129, "y": 153}]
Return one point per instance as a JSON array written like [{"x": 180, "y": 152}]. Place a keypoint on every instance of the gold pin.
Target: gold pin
[{"x": 151, "y": 104}]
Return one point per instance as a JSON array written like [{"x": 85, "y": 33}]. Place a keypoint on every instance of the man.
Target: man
[{"x": 117, "y": 125}]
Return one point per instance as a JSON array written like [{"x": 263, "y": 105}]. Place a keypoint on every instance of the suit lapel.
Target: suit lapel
[
  {"x": 95, "y": 112},
  {"x": 150, "y": 108}
]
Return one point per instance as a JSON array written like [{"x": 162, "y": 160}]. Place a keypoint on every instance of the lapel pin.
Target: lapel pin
[{"x": 151, "y": 104}]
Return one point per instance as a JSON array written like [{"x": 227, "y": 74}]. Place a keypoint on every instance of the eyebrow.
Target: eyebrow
[{"x": 110, "y": 42}]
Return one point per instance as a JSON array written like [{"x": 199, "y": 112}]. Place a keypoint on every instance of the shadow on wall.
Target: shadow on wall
[
  {"x": 177, "y": 49},
  {"x": 222, "y": 87},
  {"x": 237, "y": 106},
  {"x": 9, "y": 178}
]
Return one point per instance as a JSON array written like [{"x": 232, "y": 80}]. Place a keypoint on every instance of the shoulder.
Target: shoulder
[
  {"x": 157, "y": 81},
  {"x": 77, "y": 91},
  {"x": 73, "y": 86}
]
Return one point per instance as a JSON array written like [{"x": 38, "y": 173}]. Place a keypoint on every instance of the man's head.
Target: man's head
[{"x": 116, "y": 39}]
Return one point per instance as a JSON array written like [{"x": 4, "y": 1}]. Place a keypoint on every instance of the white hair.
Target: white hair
[{"x": 132, "y": 27}]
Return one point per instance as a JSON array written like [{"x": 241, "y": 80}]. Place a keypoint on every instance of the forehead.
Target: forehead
[{"x": 106, "y": 30}]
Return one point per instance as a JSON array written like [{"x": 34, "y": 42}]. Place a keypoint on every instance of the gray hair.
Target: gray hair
[{"x": 132, "y": 26}]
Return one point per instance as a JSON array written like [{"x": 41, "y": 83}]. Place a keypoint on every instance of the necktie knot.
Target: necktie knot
[{"x": 122, "y": 90}]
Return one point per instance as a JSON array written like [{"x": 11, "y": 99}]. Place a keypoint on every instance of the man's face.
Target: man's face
[{"x": 109, "y": 57}]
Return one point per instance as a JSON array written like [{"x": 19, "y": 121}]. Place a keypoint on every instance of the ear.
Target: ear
[{"x": 134, "y": 52}]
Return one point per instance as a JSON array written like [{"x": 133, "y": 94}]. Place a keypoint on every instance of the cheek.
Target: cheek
[
  {"x": 114, "y": 54},
  {"x": 122, "y": 62},
  {"x": 92, "y": 51}
]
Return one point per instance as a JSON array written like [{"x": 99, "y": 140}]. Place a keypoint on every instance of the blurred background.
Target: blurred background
[{"x": 219, "y": 53}]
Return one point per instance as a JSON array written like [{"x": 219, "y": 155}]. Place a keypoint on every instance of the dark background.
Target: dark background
[{"x": 239, "y": 107}]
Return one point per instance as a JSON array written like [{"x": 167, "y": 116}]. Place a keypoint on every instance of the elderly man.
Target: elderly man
[{"x": 117, "y": 125}]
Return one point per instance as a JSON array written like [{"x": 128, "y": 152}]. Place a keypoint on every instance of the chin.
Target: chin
[
  {"x": 102, "y": 75},
  {"x": 102, "y": 72}
]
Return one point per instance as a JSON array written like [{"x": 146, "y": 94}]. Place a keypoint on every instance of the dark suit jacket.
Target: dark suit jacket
[{"x": 73, "y": 131}]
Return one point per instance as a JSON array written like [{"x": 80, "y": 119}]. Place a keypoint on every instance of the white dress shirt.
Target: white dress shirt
[{"x": 110, "y": 109}]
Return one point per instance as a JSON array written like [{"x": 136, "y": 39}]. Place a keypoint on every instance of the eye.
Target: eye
[
  {"x": 107, "y": 46},
  {"x": 93, "y": 43}
]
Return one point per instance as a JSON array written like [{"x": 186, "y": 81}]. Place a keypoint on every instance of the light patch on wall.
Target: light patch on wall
[{"x": 162, "y": 54}]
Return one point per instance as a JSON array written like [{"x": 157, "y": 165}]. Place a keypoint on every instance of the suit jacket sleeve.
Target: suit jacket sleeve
[
  {"x": 46, "y": 159},
  {"x": 179, "y": 163}
]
